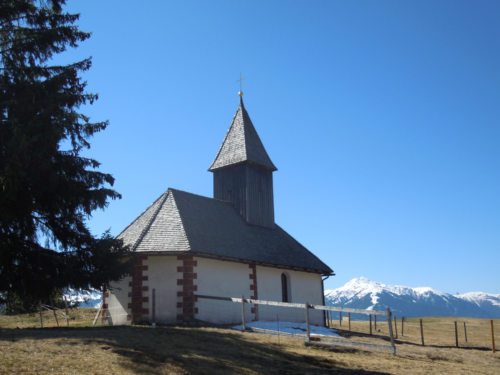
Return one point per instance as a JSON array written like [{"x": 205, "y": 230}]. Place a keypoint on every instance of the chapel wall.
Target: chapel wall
[
  {"x": 117, "y": 299},
  {"x": 303, "y": 287},
  {"x": 222, "y": 279},
  {"x": 162, "y": 276}
]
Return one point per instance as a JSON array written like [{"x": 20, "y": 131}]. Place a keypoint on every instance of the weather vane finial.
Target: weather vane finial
[{"x": 240, "y": 93}]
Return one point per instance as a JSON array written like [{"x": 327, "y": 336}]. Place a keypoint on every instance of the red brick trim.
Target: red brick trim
[
  {"x": 254, "y": 289},
  {"x": 137, "y": 296},
  {"x": 186, "y": 280}
]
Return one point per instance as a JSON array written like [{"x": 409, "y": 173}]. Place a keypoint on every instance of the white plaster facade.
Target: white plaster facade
[
  {"x": 302, "y": 287},
  {"x": 216, "y": 278}
]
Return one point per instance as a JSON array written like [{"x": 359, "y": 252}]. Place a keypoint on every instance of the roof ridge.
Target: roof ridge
[
  {"x": 225, "y": 137},
  {"x": 180, "y": 215},
  {"x": 153, "y": 217},
  {"x": 200, "y": 196}
]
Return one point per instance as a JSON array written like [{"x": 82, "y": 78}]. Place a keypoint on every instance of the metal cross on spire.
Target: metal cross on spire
[{"x": 240, "y": 93}]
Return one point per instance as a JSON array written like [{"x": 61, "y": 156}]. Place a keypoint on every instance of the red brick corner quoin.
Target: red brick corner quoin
[
  {"x": 253, "y": 288},
  {"x": 186, "y": 280},
  {"x": 138, "y": 299}
]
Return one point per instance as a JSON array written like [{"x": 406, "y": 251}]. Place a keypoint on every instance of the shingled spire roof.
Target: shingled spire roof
[{"x": 242, "y": 144}]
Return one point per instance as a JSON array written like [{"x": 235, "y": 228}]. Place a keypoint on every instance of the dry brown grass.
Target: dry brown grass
[
  {"x": 439, "y": 332},
  {"x": 207, "y": 350}
]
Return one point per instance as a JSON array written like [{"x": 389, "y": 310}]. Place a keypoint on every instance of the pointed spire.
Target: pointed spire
[{"x": 242, "y": 143}]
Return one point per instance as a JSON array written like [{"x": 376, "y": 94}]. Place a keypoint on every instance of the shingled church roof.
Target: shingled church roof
[
  {"x": 242, "y": 144},
  {"x": 183, "y": 222}
]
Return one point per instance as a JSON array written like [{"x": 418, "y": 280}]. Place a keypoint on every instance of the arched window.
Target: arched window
[{"x": 285, "y": 292}]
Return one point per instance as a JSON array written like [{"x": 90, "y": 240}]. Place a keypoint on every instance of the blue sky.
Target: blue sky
[{"x": 383, "y": 118}]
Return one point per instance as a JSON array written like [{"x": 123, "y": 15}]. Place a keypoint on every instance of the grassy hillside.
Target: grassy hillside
[{"x": 207, "y": 350}]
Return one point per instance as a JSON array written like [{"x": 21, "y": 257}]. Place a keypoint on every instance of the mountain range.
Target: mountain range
[{"x": 362, "y": 293}]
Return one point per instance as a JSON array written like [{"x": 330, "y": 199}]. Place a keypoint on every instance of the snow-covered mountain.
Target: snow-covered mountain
[
  {"x": 405, "y": 301},
  {"x": 84, "y": 298}
]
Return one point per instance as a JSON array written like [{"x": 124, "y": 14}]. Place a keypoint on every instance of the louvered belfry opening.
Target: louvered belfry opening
[{"x": 243, "y": 172}]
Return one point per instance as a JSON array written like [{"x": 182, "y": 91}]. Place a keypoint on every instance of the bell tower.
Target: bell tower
[{"x": 243, "y": 171}]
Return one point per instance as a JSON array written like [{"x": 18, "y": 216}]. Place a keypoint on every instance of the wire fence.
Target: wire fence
[
  {"x": 432, "y": 331},
  {"x": 49, "y": 317}
]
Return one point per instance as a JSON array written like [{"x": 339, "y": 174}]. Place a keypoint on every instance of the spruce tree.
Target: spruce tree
[{"x": 48, "y": 189}]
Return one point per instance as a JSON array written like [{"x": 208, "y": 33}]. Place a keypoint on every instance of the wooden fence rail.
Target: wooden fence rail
[{"x": 306, "y": 306}]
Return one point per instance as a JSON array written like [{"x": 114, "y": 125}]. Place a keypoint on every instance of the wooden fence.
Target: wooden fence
[
  {"x": 432, "y": 331},
  {"x": 307, "y": 306}
]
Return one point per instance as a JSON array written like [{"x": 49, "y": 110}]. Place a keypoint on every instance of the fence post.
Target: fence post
[
  {"x": 492, "y": 337},
  {"x": 55, "y": 317},
  {"x": 396, "y": 326},
  {"x": 389, "y": 322},
  {"x": 456, "y": 334},
  {"x": 465, "y": 332},
  {"x": 340, "y": 318},
  {"x": 370, "y": 324},
  {"x": 375, "y": 321},
  {"x": 66, "y": 309},
  {"x": 153, "y": 307},
  {"x": 422, "y": 332},
  {"x": 403, "y": 326},
  {"x": 40, "y": 312},
  {"x": 349, "y": 317},
  {"x": 308, "y": 329},
  {"x": 243, "y": 313}
]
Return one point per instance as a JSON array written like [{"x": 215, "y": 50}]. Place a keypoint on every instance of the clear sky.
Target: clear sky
[{"x": 383, "y": 118}]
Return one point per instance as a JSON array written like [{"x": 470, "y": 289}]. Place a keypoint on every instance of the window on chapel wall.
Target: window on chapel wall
[{"x": 285, "y": 292}]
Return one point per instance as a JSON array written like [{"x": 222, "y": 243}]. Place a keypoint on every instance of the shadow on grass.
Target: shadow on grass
[{"x": 149, "y": 350}]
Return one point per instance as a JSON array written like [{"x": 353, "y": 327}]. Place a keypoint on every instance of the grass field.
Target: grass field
[{"x": 79, "y": 349}]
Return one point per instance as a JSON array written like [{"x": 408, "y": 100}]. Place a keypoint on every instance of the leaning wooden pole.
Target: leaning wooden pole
[
  {"x": 391, "y": 336},
  {"x": 456, "y": 334},
  {"x": 96, "y": 316}
]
